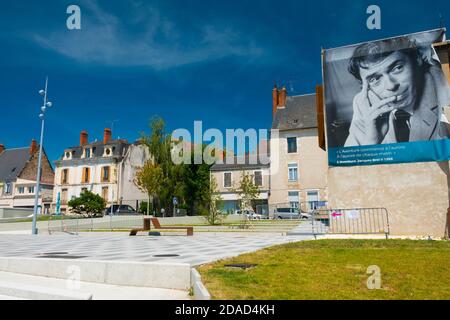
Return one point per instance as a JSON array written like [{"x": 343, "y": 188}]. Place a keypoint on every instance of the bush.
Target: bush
[
  {"x": 143, "y": 207},
  {"x": 88, "y": 203}
]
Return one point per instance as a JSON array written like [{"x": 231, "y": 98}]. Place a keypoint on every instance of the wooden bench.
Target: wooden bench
[
  {"x": 146, "y": 227},
  {"x": 157, "y": 225}
]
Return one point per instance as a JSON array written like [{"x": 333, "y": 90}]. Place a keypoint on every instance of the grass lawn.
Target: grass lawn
[
  {"x": 39, "y": 218},
  {"x": 335, "y": 269}
]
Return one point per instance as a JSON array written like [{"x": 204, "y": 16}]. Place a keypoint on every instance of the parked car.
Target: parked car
[
  {"x": 252, "y": 215},
  {"x": 290, "y": 213},
  {"x": 121, "y": 210}
]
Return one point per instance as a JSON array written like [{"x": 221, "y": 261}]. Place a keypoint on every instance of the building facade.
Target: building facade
[
  {"x": 105, "y": 167},
  {"x": 18, "y": 172},
  {"x": 298, "y": 167},
  {"x": 296, "y": 175},
  {"x": 228, "y": 176}
]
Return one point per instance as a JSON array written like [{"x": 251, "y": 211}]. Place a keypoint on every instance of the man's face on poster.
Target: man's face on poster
[{"x": 393, "y": 76}]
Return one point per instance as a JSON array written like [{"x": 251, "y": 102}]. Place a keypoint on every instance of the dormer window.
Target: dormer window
[
  {"x": 107, "y": 152},
  {"x": 87, "y": 152},
  {"x": 68, "y": 155}
]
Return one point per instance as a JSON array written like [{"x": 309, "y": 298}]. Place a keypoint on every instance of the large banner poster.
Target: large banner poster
[{"x": 384, "y": 102}]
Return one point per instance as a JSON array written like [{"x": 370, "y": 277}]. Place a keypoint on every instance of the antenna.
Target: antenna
[
  {"x": 112, "y": 124},
  {"x": 441, "y": 20}
]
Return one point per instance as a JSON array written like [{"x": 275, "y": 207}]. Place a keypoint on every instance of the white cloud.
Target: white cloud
[{"x": 161, "y": 44}]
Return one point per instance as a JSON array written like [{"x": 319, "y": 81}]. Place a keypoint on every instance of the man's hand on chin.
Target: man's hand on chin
[{"x": 374, "y": 114}]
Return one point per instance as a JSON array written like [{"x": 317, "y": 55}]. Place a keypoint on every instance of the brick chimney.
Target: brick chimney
[
  {"x": 106, "y": 135},
  {"x": 278, "y": 99},
  {"x": 274, "y": 100},
  {"x": 33, "y": 147},
  {"x": 83, "y": 138},
  {"x": 282, "y": 98},
  {"x": 2, "y": 148}
]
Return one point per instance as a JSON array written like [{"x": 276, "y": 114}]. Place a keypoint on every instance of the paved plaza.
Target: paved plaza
[{"x": 118, "y": 246}]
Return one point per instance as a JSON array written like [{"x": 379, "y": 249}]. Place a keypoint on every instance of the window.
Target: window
[
  {"x": 8, "y": 188},
  {"x": 292, "y": 145},
  {"x": 105, "y": 193},
  {"x": 87, "y": 153},
  {"x": 293, "y": 172},
  {"x": 258, "y": 178},
  {"x": 293, "y": 199},
  {"x": 64, "y": 176},
  {"x": 30, "y": 189},
  {"x": 64, "y": 196},
  {"x": 86, "y": 175},
  {"x": 21, "y": 190},
  {"x": 105, "y": 174},
  {"x": 227, "y": 180},
  {"x": 312, "y": 197}
]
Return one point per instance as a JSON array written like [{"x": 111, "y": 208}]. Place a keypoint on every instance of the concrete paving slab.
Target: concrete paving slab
[{"x": 117, "y": 246}]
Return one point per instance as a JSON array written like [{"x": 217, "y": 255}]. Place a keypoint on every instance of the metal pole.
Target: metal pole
[
  {"x": 111, "y": 213},
  {"x": 38, "y": 177}
]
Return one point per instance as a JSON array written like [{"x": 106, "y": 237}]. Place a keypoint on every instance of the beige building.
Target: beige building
[
  {"x": 227, "y": 177},
  {"x": 298, "y": 167},
  {"x": 106, "y": 168}
]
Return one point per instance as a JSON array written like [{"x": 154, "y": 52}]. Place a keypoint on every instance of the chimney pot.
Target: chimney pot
[
  {"x": 106, "y": 135},
  {"x": 2, "y": 148},
  {"x": 83, "y": 137},
  {"x": 33, "y": 147}
]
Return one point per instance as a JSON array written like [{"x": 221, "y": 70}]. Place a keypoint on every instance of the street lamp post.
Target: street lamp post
[{"x": 47, "y": 104}]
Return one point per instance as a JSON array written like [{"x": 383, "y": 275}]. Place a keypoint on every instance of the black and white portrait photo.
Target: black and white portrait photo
[{"x": 387, "y": 91}]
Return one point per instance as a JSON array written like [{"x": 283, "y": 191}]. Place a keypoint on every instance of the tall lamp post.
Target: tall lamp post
[{"x": 47, "y": 104}]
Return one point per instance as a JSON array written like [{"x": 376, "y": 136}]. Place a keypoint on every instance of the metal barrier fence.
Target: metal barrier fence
[
  {"x": 349, "y": 221},
  {"x": 74, "y": 224},
  {"x": 324, "y": 221}
]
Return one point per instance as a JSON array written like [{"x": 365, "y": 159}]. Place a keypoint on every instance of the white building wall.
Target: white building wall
[{"x": 133, "y": 161}]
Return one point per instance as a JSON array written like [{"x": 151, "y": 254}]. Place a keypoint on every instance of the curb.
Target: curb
[{"x": 200, "y": 291}]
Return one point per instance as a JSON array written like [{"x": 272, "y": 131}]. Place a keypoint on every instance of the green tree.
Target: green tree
[
  {"x": 214, "y": 216},
  {"x": 196, "y": 178},
  {"x": 88, "y": 203},
  {"x": 159, "y": 145},
  {"x": 247, "y": 190},
  {"x": 188, "y": 182},
  {"x": 150, "y": 179}
]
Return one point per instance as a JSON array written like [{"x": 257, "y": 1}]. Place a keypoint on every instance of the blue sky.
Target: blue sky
[{"x": 214, "y": 61}]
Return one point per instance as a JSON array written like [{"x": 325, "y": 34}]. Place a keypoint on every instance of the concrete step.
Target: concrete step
[
  {"x": 33, "y": 292},
  {"x": 122, "y": 273},
  {"x": 21, "y": 286}
]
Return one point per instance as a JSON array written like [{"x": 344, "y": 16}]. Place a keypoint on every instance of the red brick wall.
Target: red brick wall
[{"x": 30, "y": 170}]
